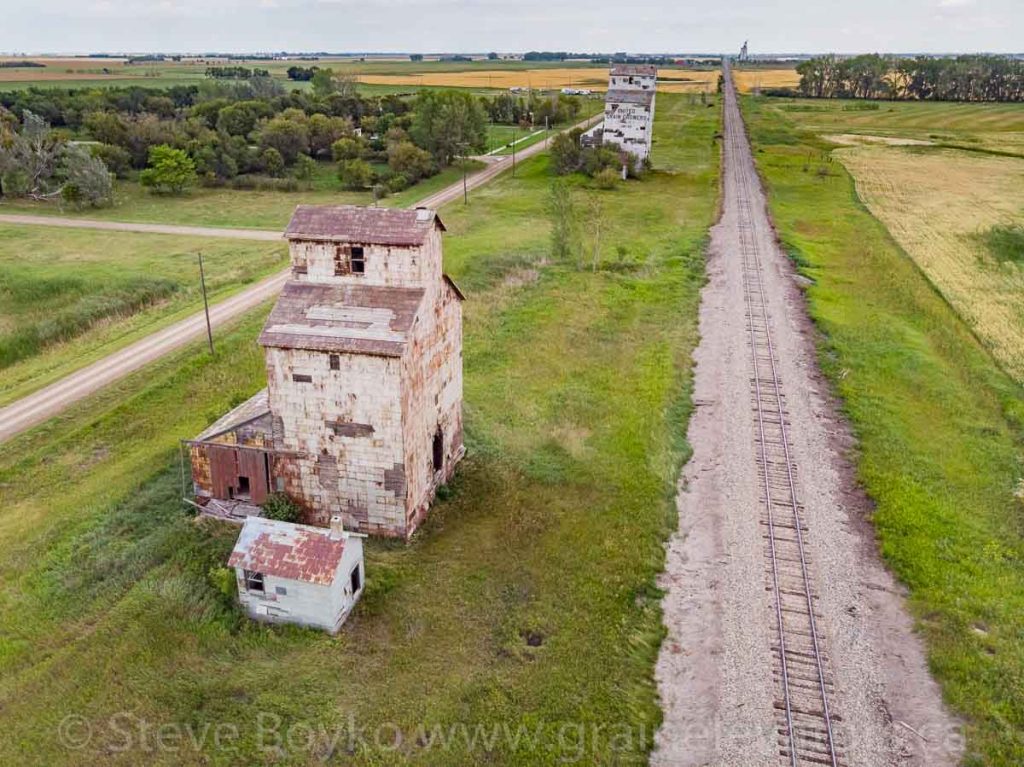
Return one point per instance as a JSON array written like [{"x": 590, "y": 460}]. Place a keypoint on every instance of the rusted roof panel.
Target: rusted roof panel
[
  {"x": 284, "y": 550},
  {"x": 645, "y": 98},
  {"x": 634, "y": 69},
  {"x": 353, "y": 319},
  {"x": 371, "y": 226}
]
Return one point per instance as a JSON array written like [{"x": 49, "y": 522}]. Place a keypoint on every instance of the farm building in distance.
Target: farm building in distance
[
  {"x": 628, "y": 113},
  {"x": 362, "y": 415},
  {"x": 299, "y": 574}
]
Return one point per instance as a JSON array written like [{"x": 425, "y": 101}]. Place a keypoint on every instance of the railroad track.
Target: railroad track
[{"x": 806, "y": 731}]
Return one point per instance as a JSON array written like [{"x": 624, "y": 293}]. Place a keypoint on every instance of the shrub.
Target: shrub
[
  {"x": 606, "y": 178},
  {"x": 397, "y": 183},
  {"x": 272, "y": 162},
  {"x": 304, "y": 167},
  {"x": 223, "y": 580},
  {"x": 346, "y": 149},
  {"x": 566, "y": 154},
  {"x": 116, "y": 158},
  {"x": 355, "y": 174},
  {"x": 408, "y": 159},
  {"x": 282, "y": 508}
]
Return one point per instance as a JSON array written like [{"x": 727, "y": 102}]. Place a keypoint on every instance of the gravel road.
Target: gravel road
[
  {"x": 47, "y": 402},
  {"x": 715, "y": 672},
  {"x": 124, "y": 226}
]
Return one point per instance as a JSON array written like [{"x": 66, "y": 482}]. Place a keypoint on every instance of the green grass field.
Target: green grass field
[
  {"x": 69, "y": 296},
  {"x": 940, "y": 426},
  {"x": 996, "y": 127},
  {"x": 247, "y": 209},
  {"x": 526, "y": 602}
]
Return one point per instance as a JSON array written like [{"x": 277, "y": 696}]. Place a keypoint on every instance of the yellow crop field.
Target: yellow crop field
[
  {"x": 936, "y": 204},
  {"x": 594, "y": 78},
  {"x": 749, "y": 79}
]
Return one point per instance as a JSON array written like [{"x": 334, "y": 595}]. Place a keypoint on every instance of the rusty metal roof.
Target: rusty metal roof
[
  {"x": 284, "y": 550},
  {"x": 372, "y": 226},
  {"x": 634, "y": 69},
  {"x": 354, "y": 319},
  {"x": 645, "y": 98}
]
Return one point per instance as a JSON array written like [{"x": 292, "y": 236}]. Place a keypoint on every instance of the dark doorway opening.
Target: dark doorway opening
[
  {"x": 439, "y": 450},
  {"x": 357, "y": 580},
  {"x": 243, "y": 487}
]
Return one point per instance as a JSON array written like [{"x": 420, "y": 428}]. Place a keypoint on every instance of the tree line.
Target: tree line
[
  {"x": 924, "y": 78},
  {"x": 67, "y": 143}
]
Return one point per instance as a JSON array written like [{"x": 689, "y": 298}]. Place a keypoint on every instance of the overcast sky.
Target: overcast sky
[{"x": 77, "y": 26}]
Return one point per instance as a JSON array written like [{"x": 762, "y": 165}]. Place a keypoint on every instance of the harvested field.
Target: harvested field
[
  {"x": 856, "y": 139},
  {"x": 594, "y": 78},
  {"x": 750, "y": 79},
  {"x": 938, "y": 205}
]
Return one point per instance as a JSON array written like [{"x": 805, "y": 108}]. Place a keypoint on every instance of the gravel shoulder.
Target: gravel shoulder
[{"x": 715, "y": 668}]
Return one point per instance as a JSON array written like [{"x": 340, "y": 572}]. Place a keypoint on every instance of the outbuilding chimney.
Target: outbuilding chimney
[{"x": 337, "y": 527}]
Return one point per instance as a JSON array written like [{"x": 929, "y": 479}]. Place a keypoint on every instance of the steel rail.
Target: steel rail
[{"x": 740, "y": 164}]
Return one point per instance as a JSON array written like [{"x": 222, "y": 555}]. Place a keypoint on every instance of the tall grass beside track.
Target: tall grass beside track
[
  {"x": 526, "y": 602},
  {"x": 940, "y": 430}
]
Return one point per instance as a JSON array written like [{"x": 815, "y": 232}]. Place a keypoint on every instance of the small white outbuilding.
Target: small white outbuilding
[{"x": 288, "y": 573}]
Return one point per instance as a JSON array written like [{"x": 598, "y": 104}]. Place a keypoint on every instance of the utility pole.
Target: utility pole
[
  {"x": 465, "y": 189},
  {"x": 206, "y": 304},
  {"x": 514, "y": 151}
]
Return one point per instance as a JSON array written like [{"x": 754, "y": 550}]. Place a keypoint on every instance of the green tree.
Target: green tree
[
  {"x": 272, "y": 162},
  {"x": 407, "y": 159},
  {"x": 304, "y": 167},
  {"x": 170, "y": 171},
  {"x": 87, "y": 182},
  {"x": 355, "y": 174},
  {"x": 324, "y": 131},
  {"x": 236, "y": 119},
  {"x": 286, "y": 134},
  {"x": 566, "y": 155},
  {"x": 564, "y": 221},
  {"x": 30, "y": 159},
  {"x": 346, "y": 149},
  {"x": 327, "y": 82},
  {"x": 116, "y": 158},
  {"x": 448, "y": 124}
]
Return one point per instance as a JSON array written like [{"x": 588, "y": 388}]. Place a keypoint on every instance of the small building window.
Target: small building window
[
  {"x": 358, "y": 261},
  {"x": 341, "y": 261},
  {"x": 439, "y": 450},
  {"x": 254, "y": 581},
  {"x": 335, "y": 361},
  {"x": 302, "y": 378},
  {"x": 281, "y": 591},
  {"x": 356, "y": 579}
]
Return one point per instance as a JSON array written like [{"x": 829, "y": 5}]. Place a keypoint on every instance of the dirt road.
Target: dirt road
[
  {"x": 124, "y": 226},
  {"x": 788, "y": 642},
  {"x": 47, "y": 402}
]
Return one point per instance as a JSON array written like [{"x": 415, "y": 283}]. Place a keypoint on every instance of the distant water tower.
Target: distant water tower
[{"x": 743, "y": 51}]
